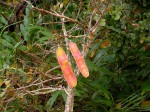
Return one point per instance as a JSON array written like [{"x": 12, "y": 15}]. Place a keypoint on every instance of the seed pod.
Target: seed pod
[
  {"x": 65, "y": 67},
  {"x": 79, "y": 59}
]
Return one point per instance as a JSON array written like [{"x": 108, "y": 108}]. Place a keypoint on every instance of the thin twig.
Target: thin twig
[
  {"x": 99, "y": 20},
  {"x": 36, "y": 84},
  {"x": 53, "y": 23},
  {"x": 91, "y": 17},
  {"x": 4, "y": 3},
  {"x": 66, "y": 7},
  {"x": 79, "y": 10},
  {"x": 58, "y": 15},
  {"x": 52, "y": 70}
]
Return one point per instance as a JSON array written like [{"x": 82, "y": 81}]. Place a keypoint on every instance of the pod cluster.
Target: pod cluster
[{"x": 65, "y": 66}]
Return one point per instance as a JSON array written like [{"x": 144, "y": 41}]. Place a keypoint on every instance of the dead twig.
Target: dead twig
[
  {"x": 60, "y": 16},
  {"x": 4, "y": 3}
]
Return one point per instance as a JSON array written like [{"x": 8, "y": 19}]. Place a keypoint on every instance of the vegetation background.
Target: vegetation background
[{"x": 113, "y": 36}]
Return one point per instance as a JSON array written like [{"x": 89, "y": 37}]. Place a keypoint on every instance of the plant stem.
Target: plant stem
[{"x": 70, "y": 99}]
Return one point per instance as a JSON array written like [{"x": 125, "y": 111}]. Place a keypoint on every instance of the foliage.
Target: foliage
[
  {"x": 118, "y": 55},
  {"x": 120, "y": 71}
]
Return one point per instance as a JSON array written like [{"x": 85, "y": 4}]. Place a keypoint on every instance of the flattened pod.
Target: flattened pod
[
  {"x": 79, "y": 59},
  {"x": 65, "y": 67}
]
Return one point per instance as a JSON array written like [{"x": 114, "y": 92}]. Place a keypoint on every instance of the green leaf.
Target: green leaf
[
  {"x": 41, "y": 30},
  {"x": 26, "y": 21},
  {"x": 6, "y": 43},
  {"x": 3, "y": 20},
  {"x": 94, "y": 47},
  {"x": 46, "y": 33},
  {"x": 77, "y": 94},
  {"x": 42, "y": 40},
  {"x": 64, "y": 95},
  {"x": 22, "y": 47},
  {"x": 105, "y": 102},
  {"x": 91, "y": 66},
  {"x": 35, "y": 27},
  {"x": 39, "y": 21},
  {"x": 103, "y": 22},
  {"x": 65, "y": 2},
  {"x": 101, "y": 52},
  {"x": 9, "y": 38},
  {"x": 105, "y": 70},
  {"x": 101, "y": 100},
  {"x": 2, "y": 94},
  {"x": 117, "y": 17},
  {"x": 115, "y": 29},
  {"x": 24, "y": 31},
  {"x": 28, "y": 9},
  {"x": 17, "y": 44},
  {"x": 51, "y": 101},
  {"x": 145, "y": 88}
]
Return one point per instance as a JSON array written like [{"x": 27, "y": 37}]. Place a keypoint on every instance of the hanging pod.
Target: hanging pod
[
  {"x": 65, "y": 67},
  {"x": 79, "y": 59}
]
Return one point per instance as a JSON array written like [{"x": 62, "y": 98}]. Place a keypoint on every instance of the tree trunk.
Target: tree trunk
[{"x": 70, "y": 99}]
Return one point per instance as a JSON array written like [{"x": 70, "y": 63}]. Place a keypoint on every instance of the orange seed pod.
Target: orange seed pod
[
  {"x": 65, "y": 67},
  {"x": 79, "y": 59}
]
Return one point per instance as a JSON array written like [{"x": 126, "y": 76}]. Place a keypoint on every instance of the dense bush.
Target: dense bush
[{"x": 117, "y": 53}]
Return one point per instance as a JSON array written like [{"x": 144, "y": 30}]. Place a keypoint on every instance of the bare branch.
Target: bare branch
[
  {"x": 4, "y": 3},
  {"x": 44, "y": 90},
  {"x": 36, "y": 84},
  {"x": 99, "y": 20},
  {"x": 66, "y": 7},
  {"x": 70, "y": 91},
  {"x": 91, "y": 17},
  {"x": 79, "y": 10},
  {"x": 58, "y": 15},
  {"x": 52, "y": 69},
  {"x": 53, "y": 23}
]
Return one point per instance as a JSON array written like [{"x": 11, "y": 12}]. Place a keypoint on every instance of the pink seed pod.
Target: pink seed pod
[
  {"x": 79, "y": 59},
  {"x": 65, "y": 67}
]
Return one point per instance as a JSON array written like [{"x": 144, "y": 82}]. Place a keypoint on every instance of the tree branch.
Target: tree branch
[
  {"x": 60, "y": 16},
  {"x": 70, "y": 91},
  {"x": 3, "y": 3}
]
